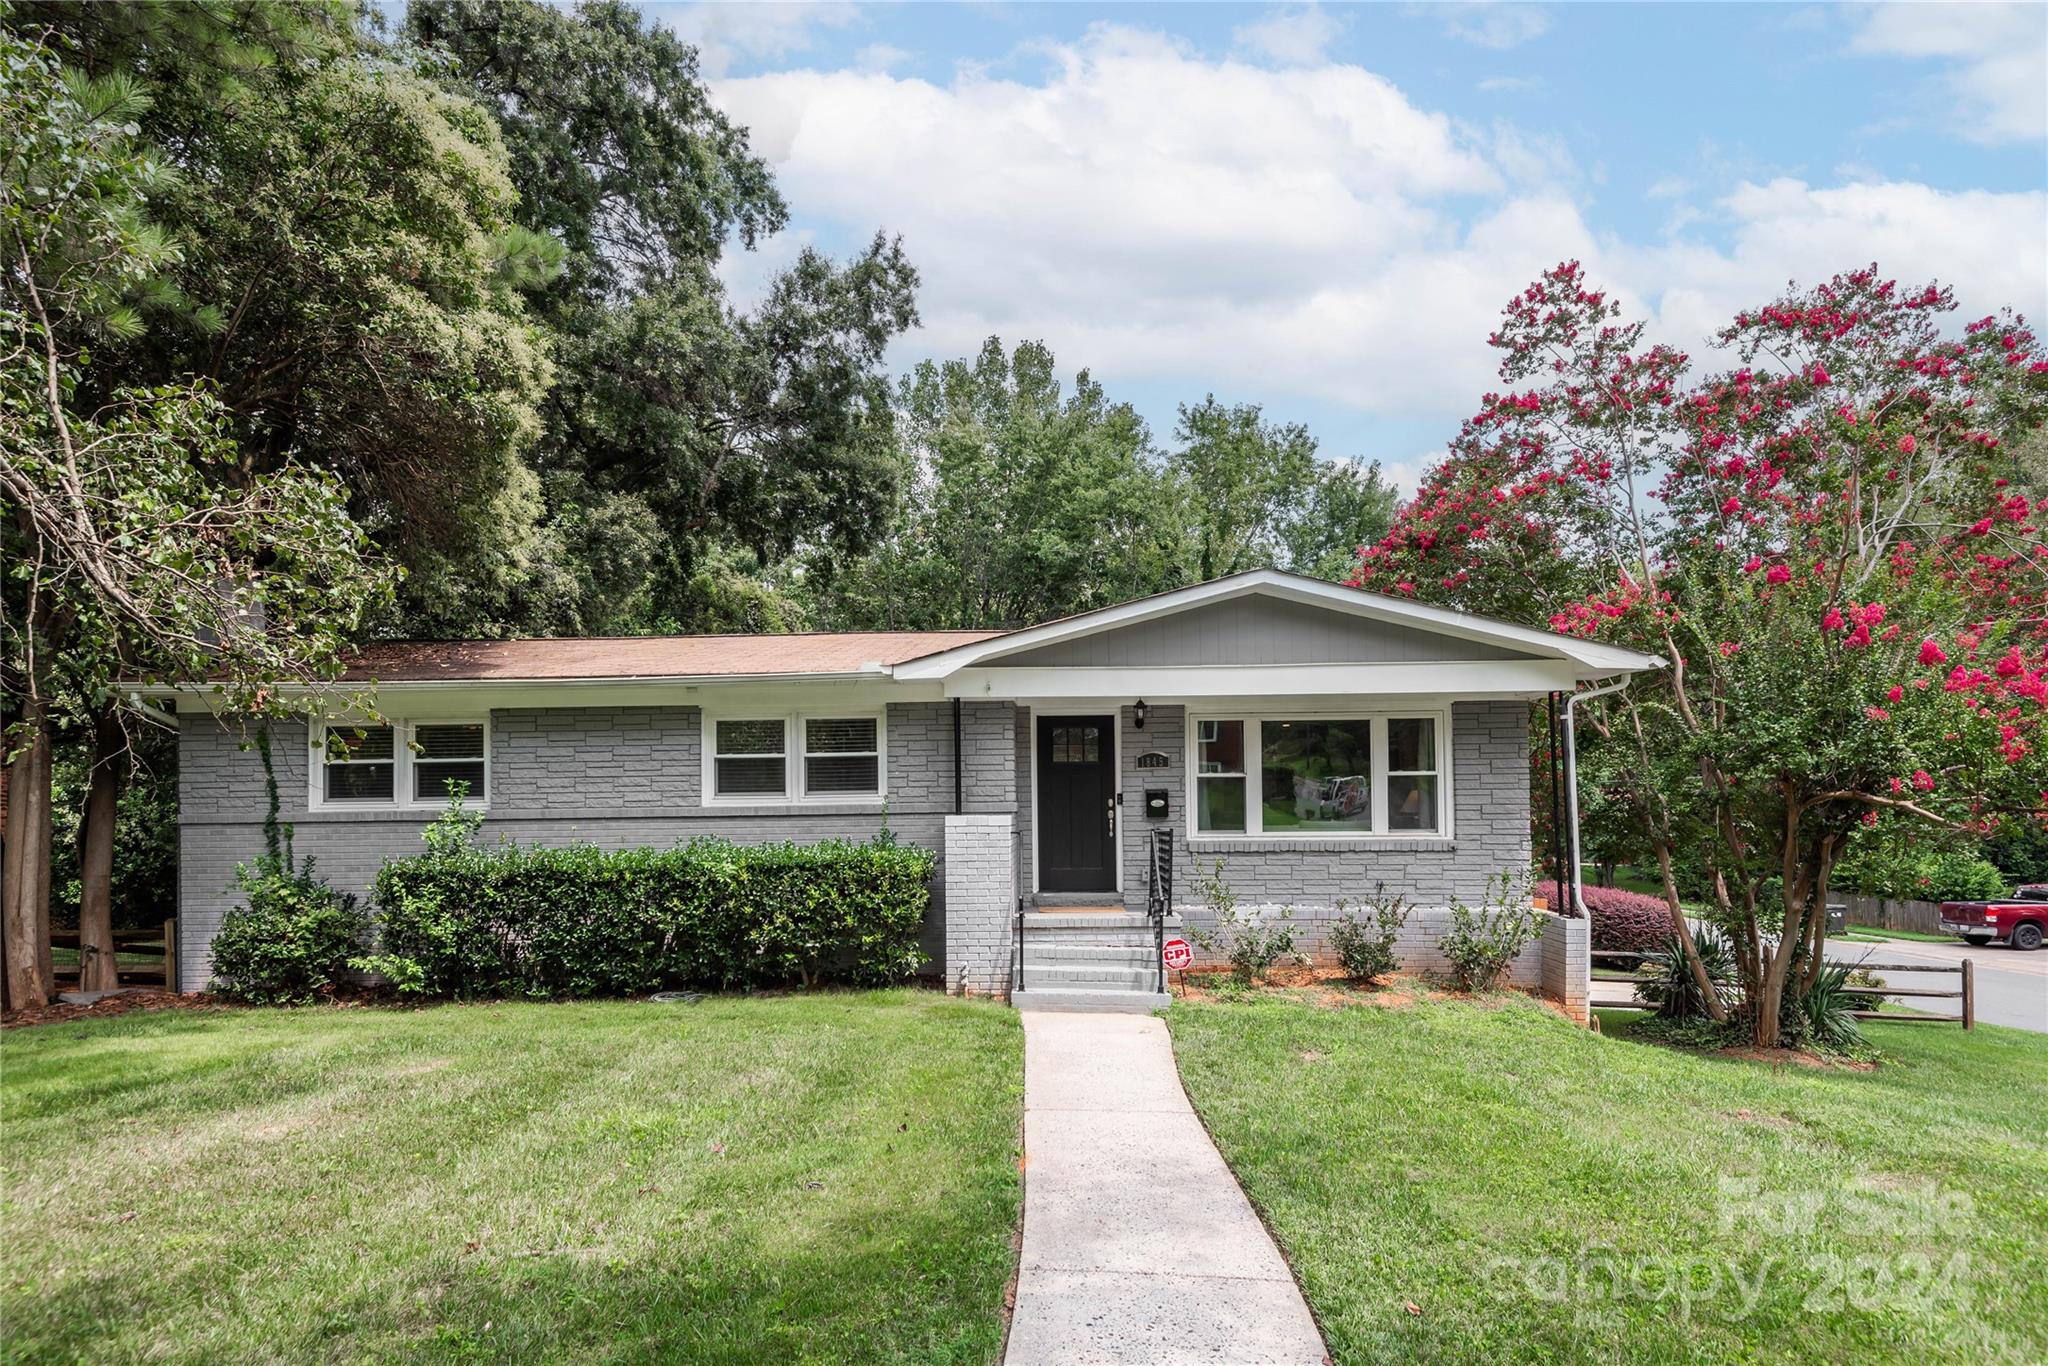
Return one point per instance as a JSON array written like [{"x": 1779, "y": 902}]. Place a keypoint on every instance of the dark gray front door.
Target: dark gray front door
[{"x": 1077, "y": 803}]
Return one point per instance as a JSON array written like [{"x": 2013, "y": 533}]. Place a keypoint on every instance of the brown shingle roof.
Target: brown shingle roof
[{"x": 415, "y": 661}]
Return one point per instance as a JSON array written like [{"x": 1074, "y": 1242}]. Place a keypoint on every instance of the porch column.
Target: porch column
[
  {"x": 1568, "y": 965},
  {"x": 981, "y": 903}
]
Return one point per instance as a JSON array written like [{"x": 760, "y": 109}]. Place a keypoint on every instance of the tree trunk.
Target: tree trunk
[
  {"x": 97, "y": 970},
  {"x": 27, "y": 981},
  {"x": 41, "y": 861},
  {"x": 1682, "y": 927}
]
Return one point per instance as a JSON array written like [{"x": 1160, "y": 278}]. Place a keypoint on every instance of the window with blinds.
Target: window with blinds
[
  {"x": 444, "y": 754},
  {"x": 842, "y": 756}
]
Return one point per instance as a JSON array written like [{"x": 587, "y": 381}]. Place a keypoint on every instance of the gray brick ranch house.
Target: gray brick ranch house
[{"x": 1317, "y": 739}]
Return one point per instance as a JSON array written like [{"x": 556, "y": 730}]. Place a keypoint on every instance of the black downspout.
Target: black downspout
[
  {"x": 959, "y": 787},
  {"x": 1556, "y": 801}
]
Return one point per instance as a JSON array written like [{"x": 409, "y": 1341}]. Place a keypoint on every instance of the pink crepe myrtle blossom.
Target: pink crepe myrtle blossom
[
  {"x": 1906, "y": 444},
  {"x": 1778, "y": 573},
  {"x": 1895, "y": 694},
  {"x": 1752, "y": 564},
  {"x": 1833, "y": 620},
  {"x": 1877, "y": 714},
  {"x": 1729, "y": 647},
  {"x": 1930, "y": 653},
  {"x": 1923, "y": 781}
]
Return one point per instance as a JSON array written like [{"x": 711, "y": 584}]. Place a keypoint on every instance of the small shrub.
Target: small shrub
[
  {"x": 1365, "y": 947},
  {"x": 1625, "y": 921},
  {"x": 1826, "y": 1008},
  {"x": 1668, "y": 982},
  {"x": 1253, "y": 941},
  {"x": 293, "y": 940},
  {"x": 1484, "y": 941}
]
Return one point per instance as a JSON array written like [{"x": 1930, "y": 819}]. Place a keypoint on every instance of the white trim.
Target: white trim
[
  {"x": 794, "y": 790},
  {"x": 1254, "y": 742},
  {"x": 1472, "y": 680},
  {"x": 402, "y": 764},
  {"x": 1115, "y": 712},
  {"x": 1603, "y": 659}
]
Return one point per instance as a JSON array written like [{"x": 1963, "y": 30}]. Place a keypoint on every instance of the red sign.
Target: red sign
[{"x": 1176, "y": 954}]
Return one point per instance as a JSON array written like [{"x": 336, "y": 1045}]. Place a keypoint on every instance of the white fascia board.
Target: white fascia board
[
  {"x": 1601, "y": 659},
  {"x": 1490, "y": 678},
  {"x": 467, "y": 697}
]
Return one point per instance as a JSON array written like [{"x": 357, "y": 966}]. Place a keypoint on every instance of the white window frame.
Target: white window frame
[
  {"x": 795, "y": 791},
  {"x": 402, "y": 757},
  {"x": 1254, "y": 743}
]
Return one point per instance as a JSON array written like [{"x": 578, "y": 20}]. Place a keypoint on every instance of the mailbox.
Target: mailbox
[{"x": 1155, "y": 804}]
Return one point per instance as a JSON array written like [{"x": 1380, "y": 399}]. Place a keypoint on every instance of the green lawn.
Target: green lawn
[
  {"x": 1539, "y": 1192},
  {"x": 829, "y": 1178},
  {"x": 1871, "y": 934}
]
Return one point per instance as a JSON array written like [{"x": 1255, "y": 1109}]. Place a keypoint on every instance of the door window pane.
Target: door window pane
[
  {"x": 1315, "y": 775},
  {"x": 1076, "y": 744}
]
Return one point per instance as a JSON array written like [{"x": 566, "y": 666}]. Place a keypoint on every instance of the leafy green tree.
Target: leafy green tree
[
  {"x": 1022, "y": 503},
  {"x": 680, "y": 427},
  {"x": 1348, "y": 506},
  {"x": 1242, "y": 481},
  {"x": 138, "y": 545}
]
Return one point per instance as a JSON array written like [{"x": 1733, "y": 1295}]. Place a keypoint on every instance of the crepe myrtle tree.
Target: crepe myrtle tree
[{"x": 1824, "y": 542}]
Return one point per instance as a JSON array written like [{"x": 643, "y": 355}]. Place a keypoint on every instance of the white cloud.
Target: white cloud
[
  {"x": 726, "y": 33},
  {"x": 1156, "y": 215},
  {"x": 1996, "y": 58},
  {"x": 1510, "y": 85},
  {"x": 1495, "y": 26},
  {"x": 880, "y": 57},
  {"x": 1291, "y": 37}
]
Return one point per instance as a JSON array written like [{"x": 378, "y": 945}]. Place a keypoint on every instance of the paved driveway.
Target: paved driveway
[{"x": 1138, "y": 1244}]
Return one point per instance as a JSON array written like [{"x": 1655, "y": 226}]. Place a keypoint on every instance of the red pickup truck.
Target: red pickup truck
[{"x": 2021, "y": 919}]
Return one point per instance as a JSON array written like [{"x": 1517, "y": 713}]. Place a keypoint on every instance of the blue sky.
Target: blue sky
[{"x": 1321, "y": 209}]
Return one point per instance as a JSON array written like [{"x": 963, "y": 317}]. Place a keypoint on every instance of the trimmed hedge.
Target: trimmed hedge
[
  {"x": 581, "y": 921},
  {"x": 1622, "y": 920}
]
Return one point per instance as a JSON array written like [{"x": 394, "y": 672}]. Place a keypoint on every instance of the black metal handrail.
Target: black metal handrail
[
  {"x": 1159, "y": 897},
  {"x": 1017, "y": 982}
]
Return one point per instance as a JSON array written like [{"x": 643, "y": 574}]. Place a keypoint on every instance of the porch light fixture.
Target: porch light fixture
[{"x": 1138, "y": 714}]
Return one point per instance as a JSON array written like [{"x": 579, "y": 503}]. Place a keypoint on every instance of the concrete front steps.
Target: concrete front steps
[{"x": 1091, "y": 960}]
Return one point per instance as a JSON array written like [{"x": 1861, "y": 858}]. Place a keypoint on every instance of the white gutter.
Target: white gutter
[
  {"x": 156, "y": 714},
  {"x": 1571, "y": 783}
]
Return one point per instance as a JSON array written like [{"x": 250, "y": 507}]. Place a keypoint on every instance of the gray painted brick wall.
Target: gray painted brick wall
[
  {"x": 616, "y": 777},
  {"x": 623, "y": 777},
  {"x": 979, "y": 878}
]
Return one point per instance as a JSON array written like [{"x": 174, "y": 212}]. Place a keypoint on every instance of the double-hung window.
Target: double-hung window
[
  {"x": 361, "y": 764},
  {"x": 400, "y": 765},
  {"x": 1320, "y": 776},
  {"x": 444, "y": 754},
  {"x": 799, "y": 756},
  {"x": 751, "y": 758}
]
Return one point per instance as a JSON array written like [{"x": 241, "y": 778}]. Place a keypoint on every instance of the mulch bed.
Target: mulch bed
[{"x": 59, "y": 1012}]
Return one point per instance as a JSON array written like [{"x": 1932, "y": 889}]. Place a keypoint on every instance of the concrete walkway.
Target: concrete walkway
[{"x": 1138, "y": 1244}]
